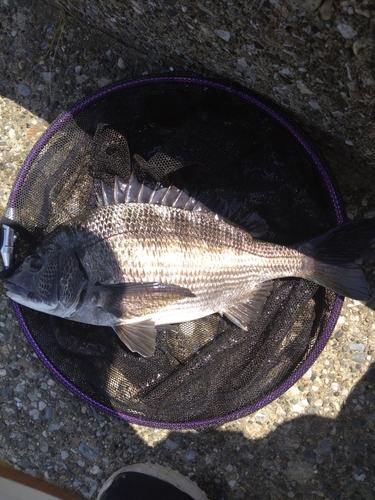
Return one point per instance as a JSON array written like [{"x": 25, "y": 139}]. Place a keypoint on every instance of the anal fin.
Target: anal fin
[
  {"x": 250, "y": 310},
  {"x": 138, "y": 337}
]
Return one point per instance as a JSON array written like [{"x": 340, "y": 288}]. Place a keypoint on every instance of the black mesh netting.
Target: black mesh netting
[{"x": 214, "y": 141}]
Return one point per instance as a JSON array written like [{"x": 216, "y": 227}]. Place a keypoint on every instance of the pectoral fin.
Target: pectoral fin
[
  {"x": 250, "y": 310},
  {"x": 130, "y": 300},
  {"x": 138, "y": 337}
]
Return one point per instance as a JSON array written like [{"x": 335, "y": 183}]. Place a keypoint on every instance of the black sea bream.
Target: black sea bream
[{"x": 148, "y": 257}]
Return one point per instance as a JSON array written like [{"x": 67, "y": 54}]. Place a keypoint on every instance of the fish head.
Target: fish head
[{"x": 51, "y": 282}]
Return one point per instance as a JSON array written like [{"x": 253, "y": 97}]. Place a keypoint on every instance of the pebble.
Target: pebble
[
  {"x": 223, "y": 34},
  {"x": 48, "y": 415},
  {"x": 297, "y": 408},
  {"x": 339, "y": 334},
  {"x": 86, "y": 451},
  {"x": 362, "y": 12},
  {"x": 314, "y": 105},
  {"x": 95, "y": 470},
  {"x": 6, "y": 392},
  {"x": 307, "y": 375},
  {"x": 358, "y": 357},
  {"x": 280, "y": 411},
  {"x": 80, "y": 79},
  {"x": 309, "y": 455},
  {"x": 171, "y": 445},
  {"x": 41, "y": 405},
  {"x": 22, "y": 444},
  {"x": 48, "y": 76},
  {"x": 325, "y": 10},
  {"x": 103, "y": 81},
  {"x": 358, "y": 46},
  {"x": 43, "y": 446},
  {"x": 302, "y": 88},
  {"x": 93, "y": 485},
  {"x": 360, "y": 477},
  {"x": 325, "y": 446},
  {"x": 357, "y": 347},
  {"x": 23, "y": 89},
  {"x": 242, "y": 62},
  {"x": 261, "y": 417},
  {"x": 347, "y": 31},
  {"x": 64, "y": 455},
  {"x": 34, "y": 414},
  {"x": 190, "y": 455},
  {"x": 293, "y": 391},
  {"x": 25, "y": 462},
  {"x": 32, "y": 397}
]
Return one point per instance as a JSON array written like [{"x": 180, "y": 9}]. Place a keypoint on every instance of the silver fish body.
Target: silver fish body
[
  {"x": 217, "y": 262},
  {"x": 134, "y": 265}
]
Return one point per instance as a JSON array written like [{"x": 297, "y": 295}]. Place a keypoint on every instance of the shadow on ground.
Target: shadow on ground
[{"x": 308, "y": 457}]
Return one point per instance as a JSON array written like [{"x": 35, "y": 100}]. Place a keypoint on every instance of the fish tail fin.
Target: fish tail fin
[
  {"x": 333, "y": 258},
  {"x": 348, "y": 281}
]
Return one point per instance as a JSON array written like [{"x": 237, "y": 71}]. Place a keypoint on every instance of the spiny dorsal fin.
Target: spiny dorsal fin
[{"x": 137, "y": 192}]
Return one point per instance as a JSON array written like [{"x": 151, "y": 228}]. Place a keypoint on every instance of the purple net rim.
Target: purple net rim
[{"x": 304, "y": 143}]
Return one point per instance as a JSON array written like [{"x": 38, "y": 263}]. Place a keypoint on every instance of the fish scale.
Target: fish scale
[{"x": 218, "y": 262}]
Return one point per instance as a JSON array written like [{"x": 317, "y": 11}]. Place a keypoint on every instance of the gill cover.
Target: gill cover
[{"x": 50, "y": 283}]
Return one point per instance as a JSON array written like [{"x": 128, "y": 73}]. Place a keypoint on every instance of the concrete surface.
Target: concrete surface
[{"x": 315, "y": 59}]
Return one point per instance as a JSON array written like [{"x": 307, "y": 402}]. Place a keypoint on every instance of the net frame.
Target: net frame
[{"x": 322, "y": 169}]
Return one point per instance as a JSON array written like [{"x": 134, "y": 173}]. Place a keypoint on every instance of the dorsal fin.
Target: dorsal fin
[{"x": 137, "y": 192}]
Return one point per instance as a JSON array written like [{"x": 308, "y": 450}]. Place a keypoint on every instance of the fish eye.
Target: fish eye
[{"x": 35, "y": 263}]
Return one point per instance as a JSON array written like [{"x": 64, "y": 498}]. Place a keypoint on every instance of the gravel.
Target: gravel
[
  {"x": 24, "y": 89},
  {"x": 316, "y": 440},
  {"x": 347, "y": 31}
]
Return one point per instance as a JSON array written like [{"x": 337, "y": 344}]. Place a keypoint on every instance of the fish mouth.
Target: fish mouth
[
  {"x": 16, "y": 290},
  {"x": 23, "y": 297}
]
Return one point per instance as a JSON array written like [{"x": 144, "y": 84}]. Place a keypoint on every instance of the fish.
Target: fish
[{"x": 151, "y": 256}]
